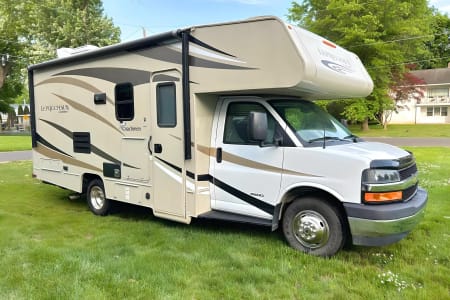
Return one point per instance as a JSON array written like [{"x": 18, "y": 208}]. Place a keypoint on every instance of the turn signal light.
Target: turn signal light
[{"x": 383, "y": 197}]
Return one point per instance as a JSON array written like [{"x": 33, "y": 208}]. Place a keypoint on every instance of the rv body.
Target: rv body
[{"x": 216, "y": 121}]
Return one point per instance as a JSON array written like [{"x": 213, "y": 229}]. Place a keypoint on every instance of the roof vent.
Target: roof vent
[{"x": 65, "y": 52}]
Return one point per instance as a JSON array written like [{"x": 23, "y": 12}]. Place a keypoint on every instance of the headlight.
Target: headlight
[{"x": 380, "y": 176}]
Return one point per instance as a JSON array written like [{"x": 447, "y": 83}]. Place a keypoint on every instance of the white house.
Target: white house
[
  {"x": 22, "y": 116},
  {"x": 434, "y": 106}
]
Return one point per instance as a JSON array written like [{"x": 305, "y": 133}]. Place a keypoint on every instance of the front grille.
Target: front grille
[
  {"x": 409, "y": 192},
  {"x": 408, "y": 172}
]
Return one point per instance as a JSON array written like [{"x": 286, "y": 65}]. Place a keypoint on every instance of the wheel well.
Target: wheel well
[
  {"x": 87, "y": 178},
  {"x": 305, "y": 191}
]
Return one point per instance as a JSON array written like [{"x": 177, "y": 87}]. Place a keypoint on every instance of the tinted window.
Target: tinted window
[
  {"x": 124, "y": 102},
  {"x": 236, "y": 124}
]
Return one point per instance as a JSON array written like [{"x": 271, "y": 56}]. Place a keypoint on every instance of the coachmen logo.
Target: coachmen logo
[
  {"x": 124, "y": 127},
  {"x": 336, "y": 67}
]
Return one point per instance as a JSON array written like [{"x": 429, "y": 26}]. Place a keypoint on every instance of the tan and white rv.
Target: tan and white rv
[{"x": 216, "y": 121}]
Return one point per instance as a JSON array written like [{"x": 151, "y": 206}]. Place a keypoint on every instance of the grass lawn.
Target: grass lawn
[
  {"x": 54, "y": 248},
  {"x": 15, "y": 142},
  {"x": 419, "y": 130}
]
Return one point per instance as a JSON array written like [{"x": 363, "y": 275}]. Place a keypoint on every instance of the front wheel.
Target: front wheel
[
  {"x": 96, "y": 198},
  {"x": 313, "y": 226}
]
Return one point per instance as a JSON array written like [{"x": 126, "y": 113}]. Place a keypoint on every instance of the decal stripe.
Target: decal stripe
[
  {"x": 50, "y": 153},
  {"x": 74, "y": 82},
  {"x": 204, "y": 45},
  {"x": 170, "y": 55},
  {"x": 44, "y": 142},
  {"x": 87, "y": 111},
  {"x": 203, "y": 177},
  {"x": 234, "y": 159},
  {"x": 94, "y": 149},
  {"x": 114, "y": 75},
  {"x": 178, "y": 169},
  {"x": 266, "y": 207}
]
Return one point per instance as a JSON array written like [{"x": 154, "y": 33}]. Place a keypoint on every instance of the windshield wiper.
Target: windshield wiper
[
  {"x": 353, "y": 137},
  {"x": 327, "y": 138}
]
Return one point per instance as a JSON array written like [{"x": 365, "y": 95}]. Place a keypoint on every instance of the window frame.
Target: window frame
[
  {"x": 122, "y": 102},
  {"x": 159, "y": 107},
  {"x": 251, "y": 143}
]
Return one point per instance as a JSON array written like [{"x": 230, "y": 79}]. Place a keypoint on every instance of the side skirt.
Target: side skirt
[{"x": 226, "y": 216}]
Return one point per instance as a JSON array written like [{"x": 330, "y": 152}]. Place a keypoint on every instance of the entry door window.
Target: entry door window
[{"x": 166, "y": 105}]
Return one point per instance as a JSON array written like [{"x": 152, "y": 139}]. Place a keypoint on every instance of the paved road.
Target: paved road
[
  {"x": 419, "y": 142},
  {"x": 15, "y": 155}
]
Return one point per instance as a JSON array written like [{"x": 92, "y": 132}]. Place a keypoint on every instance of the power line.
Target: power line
[{"x": 408, "y": 62}]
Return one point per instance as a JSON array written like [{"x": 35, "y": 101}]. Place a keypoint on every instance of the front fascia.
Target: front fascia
[
  {"x": 338, "y": 173},
  {"x": 334, "y": 169}
]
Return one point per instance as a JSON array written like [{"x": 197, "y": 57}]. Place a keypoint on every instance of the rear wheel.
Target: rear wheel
[
  {"x": 313, "y": 226},
  {"x": 96, "y": 198}
]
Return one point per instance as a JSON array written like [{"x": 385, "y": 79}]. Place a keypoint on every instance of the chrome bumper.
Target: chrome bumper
[{"x": 378, "y": 225}]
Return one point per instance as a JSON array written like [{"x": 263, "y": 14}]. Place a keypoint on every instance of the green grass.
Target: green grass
[
  {"x": 54, "y": 248},
  {"x": 419, "y": 130},
  {"x": 15, "y": 143}
]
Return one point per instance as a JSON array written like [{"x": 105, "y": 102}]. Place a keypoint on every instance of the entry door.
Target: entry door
[
  {"x": 166, "y": 143},
  {"x": 247, "y": 177}
]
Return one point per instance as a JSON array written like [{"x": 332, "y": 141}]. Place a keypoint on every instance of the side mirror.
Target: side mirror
[{"x": 257, "y": 126}]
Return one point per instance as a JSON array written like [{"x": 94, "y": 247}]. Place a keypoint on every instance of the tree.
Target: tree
[
  {"x": 439, "y": 44},
  {"x": 382, "y": 33},
  {"x": 31, "y": 31}
]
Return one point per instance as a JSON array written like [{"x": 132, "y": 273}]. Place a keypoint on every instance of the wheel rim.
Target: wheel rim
[
  {"x": 311, "y": 229},
  {"x": 97, "y": 197}
]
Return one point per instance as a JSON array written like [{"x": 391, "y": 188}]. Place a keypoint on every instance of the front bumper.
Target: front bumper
[{"x": 378, "y": 225}]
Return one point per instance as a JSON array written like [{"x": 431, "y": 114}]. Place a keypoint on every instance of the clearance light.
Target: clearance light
[
  {"x": 329, "y": 44},
  {"x": 383, "y": 197}
]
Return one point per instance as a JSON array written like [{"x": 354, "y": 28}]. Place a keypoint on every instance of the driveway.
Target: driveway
[{"x": 15, "y": 155}]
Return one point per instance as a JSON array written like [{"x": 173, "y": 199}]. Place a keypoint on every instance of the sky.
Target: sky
[
  {"x": 165, "y": 15},
  {"x": 155, "y": 16}
]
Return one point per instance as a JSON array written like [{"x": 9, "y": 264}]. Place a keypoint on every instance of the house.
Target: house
[
  {"x": 433, "y": 107},
  {"x": 21, "y": 117}
]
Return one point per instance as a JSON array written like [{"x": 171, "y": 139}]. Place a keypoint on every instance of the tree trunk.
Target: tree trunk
[{"x": 365, "y": 125}]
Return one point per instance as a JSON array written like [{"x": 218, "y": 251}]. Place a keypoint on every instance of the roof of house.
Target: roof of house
[{"x": 434, "y": 76}]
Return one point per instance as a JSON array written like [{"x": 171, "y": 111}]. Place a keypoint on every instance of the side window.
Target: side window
[
  {"x": 124, "y": 102},
  {"x": 166, "y": 110},
  {"x": 236, "y": 124}
]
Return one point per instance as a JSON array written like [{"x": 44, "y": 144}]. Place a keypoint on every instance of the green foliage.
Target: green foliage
[
  {"x": 439, "y": 44},
  {"x": 381, "y": 33},
  {"x": 31, "y": 31},
  {"x": 15, "y": 143},
  {"x": 54, "y": 248}
]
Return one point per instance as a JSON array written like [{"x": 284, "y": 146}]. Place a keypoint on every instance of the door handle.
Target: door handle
[
  {"x": 158, "y": 148},
  {"x": 219, "y": 155}
]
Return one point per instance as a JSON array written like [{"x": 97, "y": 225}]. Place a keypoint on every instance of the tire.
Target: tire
[
  {"x": 96, "y": 198},
  {"x": 313, "y": 226}
]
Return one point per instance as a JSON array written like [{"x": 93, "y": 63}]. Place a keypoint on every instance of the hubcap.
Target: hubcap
[
  {"x": 97, "y": 197},
  {"x": 311, "y": 229}
]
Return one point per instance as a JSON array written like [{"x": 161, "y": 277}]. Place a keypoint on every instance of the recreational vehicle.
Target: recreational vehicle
[{"x": 217, "y": 121}]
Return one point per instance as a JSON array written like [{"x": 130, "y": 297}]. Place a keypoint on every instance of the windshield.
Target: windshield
[{"x": 311, "y": 123}]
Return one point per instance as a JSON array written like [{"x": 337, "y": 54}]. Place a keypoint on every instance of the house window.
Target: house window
[
  {"x": 436, "y": 111},
  {"x": 166, "y": 109},
  {"x": 124, "y": 102},
  {"x": 438, "y": 92}
]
